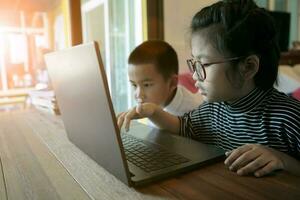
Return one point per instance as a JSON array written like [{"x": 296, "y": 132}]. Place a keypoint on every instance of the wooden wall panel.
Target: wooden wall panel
[{"x": 155, "y": 19}]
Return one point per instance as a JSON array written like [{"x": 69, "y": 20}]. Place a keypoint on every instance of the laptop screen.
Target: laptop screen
[{"x": 79, "y": 81}]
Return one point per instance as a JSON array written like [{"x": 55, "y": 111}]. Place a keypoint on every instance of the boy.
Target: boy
[{"x": 153, "y": 74}]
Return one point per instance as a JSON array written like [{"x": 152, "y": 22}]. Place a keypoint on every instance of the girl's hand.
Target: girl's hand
[
  {"x": 142, "y": 110},
  {"x": 254, "y": 158}
]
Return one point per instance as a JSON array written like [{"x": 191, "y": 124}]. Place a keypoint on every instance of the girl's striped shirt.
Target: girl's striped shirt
[{"x": 269, "y": 118}]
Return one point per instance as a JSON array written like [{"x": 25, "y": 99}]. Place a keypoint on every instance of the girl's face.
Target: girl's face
[{"x": 216, "y": 87}]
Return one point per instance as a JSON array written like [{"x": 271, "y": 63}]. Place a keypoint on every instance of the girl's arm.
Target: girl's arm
[
  {"x": 165, "y": 120},
  {"x": 155, "y": 113},
  {"x": 291, "y": 164}
]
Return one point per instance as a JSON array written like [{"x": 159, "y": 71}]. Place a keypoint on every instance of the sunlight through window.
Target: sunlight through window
[{"x": 18, "y": 48}]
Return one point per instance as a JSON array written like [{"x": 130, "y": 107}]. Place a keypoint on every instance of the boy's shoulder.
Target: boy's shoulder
[
  {"x": 186, "y": 96},
  {"x": 184, "y": 101}
]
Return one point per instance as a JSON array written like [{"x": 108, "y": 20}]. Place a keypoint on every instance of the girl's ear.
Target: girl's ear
[{"x": 249, "y": 67}]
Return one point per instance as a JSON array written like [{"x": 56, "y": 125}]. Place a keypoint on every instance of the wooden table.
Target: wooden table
[{"x": 38, "y": 162}]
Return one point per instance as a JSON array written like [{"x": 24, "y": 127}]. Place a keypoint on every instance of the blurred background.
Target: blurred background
[{"x": 31, "y": 28}]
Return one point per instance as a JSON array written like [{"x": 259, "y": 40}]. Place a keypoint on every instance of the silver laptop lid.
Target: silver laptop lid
[{"x": 87, "y": 111}]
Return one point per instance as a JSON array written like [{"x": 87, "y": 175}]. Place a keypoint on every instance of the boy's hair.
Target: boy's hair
[
  {"x": 156, "y": 52},
  {"x": 241, "y": 28}
]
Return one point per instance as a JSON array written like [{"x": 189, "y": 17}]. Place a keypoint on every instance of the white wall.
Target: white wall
[{"x": 177, "y": 18}]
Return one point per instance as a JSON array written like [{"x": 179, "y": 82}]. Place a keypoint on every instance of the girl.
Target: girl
[{"x": 235, "y": 62}]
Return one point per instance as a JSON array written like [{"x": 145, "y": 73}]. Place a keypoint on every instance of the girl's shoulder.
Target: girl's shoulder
[
  {"x": 279, "y": 98},
  {"x": 281, "y": 103}
]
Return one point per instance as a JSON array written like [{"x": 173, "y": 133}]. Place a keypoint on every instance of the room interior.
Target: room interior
[
  {"x": 38, "y": 161},
  {"x": 32, "y": 28}
]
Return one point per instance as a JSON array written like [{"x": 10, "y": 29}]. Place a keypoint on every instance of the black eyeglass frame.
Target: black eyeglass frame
[{"x": 193, "y": 67}]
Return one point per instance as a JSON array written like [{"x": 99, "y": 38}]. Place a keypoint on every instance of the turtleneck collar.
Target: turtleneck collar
[{"x": 248, "y": 102}]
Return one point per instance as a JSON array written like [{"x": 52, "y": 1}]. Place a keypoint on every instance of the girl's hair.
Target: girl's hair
[
  {"x": 156, "y": 52},
  {"x": 241, "y": 28}
]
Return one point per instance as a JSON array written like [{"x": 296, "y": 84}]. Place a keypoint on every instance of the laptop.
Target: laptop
[{"x": 140, "y": 156}]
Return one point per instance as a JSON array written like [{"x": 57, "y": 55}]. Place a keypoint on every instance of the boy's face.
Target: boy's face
[
  {"x": 216, "y": 87},
  {"x": 150, "y": 86}
]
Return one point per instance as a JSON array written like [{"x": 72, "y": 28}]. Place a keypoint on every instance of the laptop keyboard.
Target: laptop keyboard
[{"x": 149, "y": 157}]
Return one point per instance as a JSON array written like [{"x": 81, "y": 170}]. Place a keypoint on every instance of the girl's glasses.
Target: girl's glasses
[{"x": 199, "y": 68}]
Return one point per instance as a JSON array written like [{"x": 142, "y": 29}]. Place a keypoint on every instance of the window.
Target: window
[
  {"x": 20, "y": 38},
  {"x": 117, "y": 27},
  {"x": 18, "y": 48},
  {"x": 291, "y": 6}
]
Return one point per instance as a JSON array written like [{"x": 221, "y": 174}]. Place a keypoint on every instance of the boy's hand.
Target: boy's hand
[
  {"x": 254, "y": 158},
  {"x": 142, "y": 110}
]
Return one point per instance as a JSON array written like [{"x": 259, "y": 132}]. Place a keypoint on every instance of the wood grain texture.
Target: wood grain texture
[
  {"x": 39, "y": 162},
  {"x": 30, "y": 170},
  {"x": 3, "y": 191},
  {"x": 96, "y": 181}
]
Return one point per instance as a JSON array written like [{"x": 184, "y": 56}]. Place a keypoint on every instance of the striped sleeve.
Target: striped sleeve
[{"x": 193, "y": 123}]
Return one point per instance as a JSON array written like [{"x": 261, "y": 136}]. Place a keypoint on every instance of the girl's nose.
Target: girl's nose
[{"x": 195, "y": 76}]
